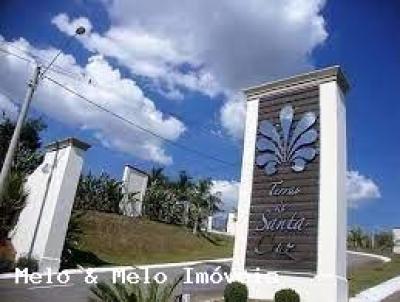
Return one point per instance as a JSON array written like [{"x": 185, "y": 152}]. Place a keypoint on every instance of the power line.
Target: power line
[
  {"x": 16, "y": 55},
  {"x": 68, "y": 74},
  {"x": 184, "y": 147},
  {"x": 8, "y": 94},
  {"x": 33, "y": 58}
]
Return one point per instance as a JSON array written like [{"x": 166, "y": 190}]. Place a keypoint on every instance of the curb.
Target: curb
[
  {"x": 379, "y": 292},
  {"x": 380, "y": 257}
]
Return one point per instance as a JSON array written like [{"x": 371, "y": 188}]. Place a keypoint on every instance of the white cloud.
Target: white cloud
[
  {"x": 7, "y": 106},
  {"x": 144, "y": 53},
  {"x": 228, "y": 44},
  {"x": 360, "y": 189},
  {"x": 233, "y": 115},
  {"x": 229, "y": 191},
  {"x": 111, "y": 90}
]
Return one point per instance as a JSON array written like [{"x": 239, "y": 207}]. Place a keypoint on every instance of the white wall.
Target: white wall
[
  {"x": 134, "y": 181},
  {"x": 42, "y": 225}
]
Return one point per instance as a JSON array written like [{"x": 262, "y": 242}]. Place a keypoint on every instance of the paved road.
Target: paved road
[
  {"x": 393, "y": 298},
  {"x": 76, "y": 290}
]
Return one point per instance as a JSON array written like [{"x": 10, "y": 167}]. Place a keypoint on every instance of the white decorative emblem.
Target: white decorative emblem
[{"x": 288, "y": 145}]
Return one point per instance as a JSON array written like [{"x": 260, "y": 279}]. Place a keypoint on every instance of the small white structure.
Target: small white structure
[
  {"x": 43, "y": 223},
  {"x": 329, "y": 282},
  {"x": 396, "y": 240},
  {"x": 134, "y": 189},
  {"x": 231, "y": 224},
  {"x": 209, "y": 224}
]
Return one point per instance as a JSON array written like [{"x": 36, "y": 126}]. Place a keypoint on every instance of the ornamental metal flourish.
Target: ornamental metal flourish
[{"x": 287, "y": 144}]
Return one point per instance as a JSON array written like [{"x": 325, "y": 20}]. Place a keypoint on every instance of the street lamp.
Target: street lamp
[
  {"x": 80, "y": 30},
  {"x": 32, "y": 85}
]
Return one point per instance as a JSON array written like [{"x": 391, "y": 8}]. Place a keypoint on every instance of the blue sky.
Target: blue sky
[{"x": 176, "y": 70}]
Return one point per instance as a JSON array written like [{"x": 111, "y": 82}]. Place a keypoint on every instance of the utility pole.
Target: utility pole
[{"x": 32, "y": 84}]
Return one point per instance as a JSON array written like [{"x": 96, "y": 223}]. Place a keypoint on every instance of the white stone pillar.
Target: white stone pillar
[
  {"x": 328, "y": 283},
  {"x": 209, "y": 223},
  {"x": 134, "y": 183},
  {"x": 245, "y": 189},
  {"x": 43, "y": 223},
  {"x": 332, "y": 234},
  {"x": 396, "y": 240},
  {"x": 231, "y": 224}
]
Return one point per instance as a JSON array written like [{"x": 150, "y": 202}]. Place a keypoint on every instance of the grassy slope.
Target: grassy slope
[
  {"x": 373, "y": 274},
  {"x": 119, "y": 240},
  {"x": 125, "y": 241}
]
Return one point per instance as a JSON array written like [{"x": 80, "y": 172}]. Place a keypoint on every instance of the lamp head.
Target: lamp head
[{"x": 80, "y": 30}]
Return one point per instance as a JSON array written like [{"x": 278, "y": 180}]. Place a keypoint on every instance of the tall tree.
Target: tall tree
[
  {"x": 157, "y": 176},
  {"x": 203, "y": 203},
  {"x": 27, "y": 157}
]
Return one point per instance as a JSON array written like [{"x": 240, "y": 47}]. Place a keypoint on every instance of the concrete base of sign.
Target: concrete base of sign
[
  {"x": 329, "y": 283},
  {"x": 318, "y": 288}
]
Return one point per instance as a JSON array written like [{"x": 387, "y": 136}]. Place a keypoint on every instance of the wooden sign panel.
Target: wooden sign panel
[{"x": 283, "y": 223}]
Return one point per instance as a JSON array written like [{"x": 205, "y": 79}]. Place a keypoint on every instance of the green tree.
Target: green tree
[
  {"x": 12, "y": 201},
  {"x": 384, "y": 240},
  {"x": 165, "y": 199},
  {"x": 157, "y": 176},
  {"x": 100, "y": 193},
  {"x": 203, "y": 203},
  {"x": 27, "y": 157},
  {"x": 160, "y": 200},
  {"x": 357, "y": 238}
]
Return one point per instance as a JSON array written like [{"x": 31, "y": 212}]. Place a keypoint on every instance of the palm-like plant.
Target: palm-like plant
[
  {"x": 384, "y": 240},
  {"x": 203, "y": 203},
  {"x": 107, "y": 292},
  {"x": 101, "y": 193},
  {"x": 184, "y": 189},
  {"x": 357, "y": 238},
  {"x": 157, "y": 176},
  {"x": 12, "y": 201}
]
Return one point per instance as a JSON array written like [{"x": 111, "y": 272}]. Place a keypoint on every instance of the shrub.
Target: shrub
[
  {"x": 6, "y": 266},
  {"x": 12, "y": 201},
  {"x": 286, "y": 295},
  {"x": 100, "y": 193},
  {"x": 120, "y": 292},
  {"x": 29, "y": 263},
  {"x": 235, "y": 292},
  {"x": 7, "y": 257}
]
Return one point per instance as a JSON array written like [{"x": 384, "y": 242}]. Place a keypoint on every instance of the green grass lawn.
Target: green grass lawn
[
  {"x": 373, "y": 274},
  {"x": 110, "y": 239}
]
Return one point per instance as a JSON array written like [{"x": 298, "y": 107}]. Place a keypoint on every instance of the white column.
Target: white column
[
  {"x": 396, "y": 240},
  {"x": 43, "y": 223},
  {"x": 231, "y": 224},
  {"x": 135, "y": 183},
  {"x": 331, "y": 272},
  {"x": 209, "y": 223},
  {"x": 246, "y": 184}
]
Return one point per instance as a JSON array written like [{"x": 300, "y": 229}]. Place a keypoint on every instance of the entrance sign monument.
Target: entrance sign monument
[{"x": 291, "y": 228}]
